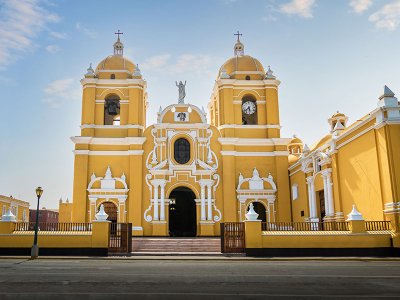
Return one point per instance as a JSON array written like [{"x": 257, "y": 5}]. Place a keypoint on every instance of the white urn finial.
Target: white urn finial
[
  {"x": 251, "y": 214},
  {"x": 101, "y": 215},
  {"x": 8, "y": 216},
  {"x": 354, "y": 215}
]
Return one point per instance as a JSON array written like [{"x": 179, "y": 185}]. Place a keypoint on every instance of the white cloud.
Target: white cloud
[
  {"x": 53, "y": 49},
  {"x": 359, "y": 6},
  {"x": 61, "y": 90},
  {"x": 302, "y": 8},
  {"x": 90, "y": 33},
  {"x": 20, "y": 23},
  {"x": 155, "y": 61},
  {"x": 185, "y": 63},
  {"x": 388, "y": 17},
  {"x": 58, "y": 35}
]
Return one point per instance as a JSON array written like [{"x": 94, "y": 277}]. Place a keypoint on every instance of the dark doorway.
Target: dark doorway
[
  {"x": 111, "y": 210},
  {"x": 182, "y": 213},
  {"x": 321, "y": 197},
  {"x": 260, "y": 209}
]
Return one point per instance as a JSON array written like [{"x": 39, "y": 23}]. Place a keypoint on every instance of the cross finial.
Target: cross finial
[
  {"x": 118, "y": 33},
  {"x": 238, "y": 35}
]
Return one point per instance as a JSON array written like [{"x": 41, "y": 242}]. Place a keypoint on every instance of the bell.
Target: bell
[{"x": 112, "y": 108}]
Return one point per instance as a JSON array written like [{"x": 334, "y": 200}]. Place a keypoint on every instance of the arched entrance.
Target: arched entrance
[
  {"x": 182, "y": 212},
  {"x": 111, "y": 210},
  {"x": 260, "y": 209}
]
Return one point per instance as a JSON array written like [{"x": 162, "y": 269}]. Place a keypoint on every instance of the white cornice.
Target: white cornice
[
  {"x": 134, "y": 126},
  {"x": 180, "y": 126},
  {"x": 97, "y": 81},
  {"x": 237, "y": 82},
  {"x": 254, "y": 142},
  {"x": 236, "y": 126},
  {"x": 256, "y": 154},
  {"x": 114, "y": 71},
  {"x": 108, "y": 153},
  {"x": 108, "y": 141}
]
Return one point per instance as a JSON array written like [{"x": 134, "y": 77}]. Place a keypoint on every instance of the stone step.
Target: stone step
[{"x": 176, "y": 245}]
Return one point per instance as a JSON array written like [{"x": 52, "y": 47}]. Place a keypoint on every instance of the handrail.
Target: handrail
[
  {"x": 30, "y": 226},
  {"x": 305, "y": 226}
]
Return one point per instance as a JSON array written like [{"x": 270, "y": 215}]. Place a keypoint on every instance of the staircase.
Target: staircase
[{"x": 179, "y": 246}]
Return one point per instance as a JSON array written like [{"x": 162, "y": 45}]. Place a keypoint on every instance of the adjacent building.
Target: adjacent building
[{"x": 19, "y": 208}]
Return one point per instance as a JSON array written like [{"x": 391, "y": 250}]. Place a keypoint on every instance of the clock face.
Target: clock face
[{"x": 249, "y": 107}]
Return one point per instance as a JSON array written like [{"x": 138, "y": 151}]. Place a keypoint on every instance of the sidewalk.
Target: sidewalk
[{"x": 184, "y": 257}]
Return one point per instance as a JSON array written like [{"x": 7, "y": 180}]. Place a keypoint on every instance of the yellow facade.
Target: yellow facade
[
  {"x": 19, "y": 208},
  {"x": 183, "y": 176},
  {"x": 356, "y": 164}
]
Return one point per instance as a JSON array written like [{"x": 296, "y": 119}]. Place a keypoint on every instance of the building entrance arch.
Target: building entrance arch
[{"x": 182, "y": 213}]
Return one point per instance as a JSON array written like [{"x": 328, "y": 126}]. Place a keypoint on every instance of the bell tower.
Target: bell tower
[
  {"x": 114, "y": 102},
  {"x": 244, "y": 102}
]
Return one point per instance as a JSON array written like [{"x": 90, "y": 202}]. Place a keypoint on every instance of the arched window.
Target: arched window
[
  {"x": 111, "y": 110},
  {"x": 112, "y": 76},
  {"x": 182, "y": 151},
  {"x": 249, "y": 111},
  {"x": 247, "y": 77}
]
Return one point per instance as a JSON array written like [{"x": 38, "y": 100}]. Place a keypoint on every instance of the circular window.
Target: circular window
[{"x": 182, "y": 151}]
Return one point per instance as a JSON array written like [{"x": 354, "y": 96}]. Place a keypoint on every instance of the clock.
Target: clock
[{"x": 249, "y": 107}]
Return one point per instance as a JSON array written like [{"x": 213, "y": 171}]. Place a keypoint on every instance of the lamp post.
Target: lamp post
[{"x": 35, "y": 248}]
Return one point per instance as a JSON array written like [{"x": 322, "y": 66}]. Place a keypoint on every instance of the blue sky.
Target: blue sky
[{"x": 329, "y": 55}]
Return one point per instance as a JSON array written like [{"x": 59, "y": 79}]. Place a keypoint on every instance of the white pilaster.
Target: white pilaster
[
  {"x": 203, "y": 202},
  {"x": 162, "y": 202},
  {"x": 155, "y": 214},
  {"x": 209, "y": 203}
]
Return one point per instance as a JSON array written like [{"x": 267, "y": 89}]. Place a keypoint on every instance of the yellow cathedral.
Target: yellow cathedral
[{"x": 184, "y": 175}]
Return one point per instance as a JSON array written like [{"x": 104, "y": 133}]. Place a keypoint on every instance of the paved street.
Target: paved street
[{"x": 205, "y": 279}]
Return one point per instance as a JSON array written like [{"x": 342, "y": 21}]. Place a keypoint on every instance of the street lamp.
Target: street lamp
[{"x": 35, "y": 248}]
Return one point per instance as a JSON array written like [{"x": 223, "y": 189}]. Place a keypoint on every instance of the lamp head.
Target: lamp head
[{"x": 39, "y": 191}]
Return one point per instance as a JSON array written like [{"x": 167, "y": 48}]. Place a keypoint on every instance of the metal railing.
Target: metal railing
[
  {"x": 30, "y": 226},
  {"x": 305, "y": 226},
  {"x": 377, "y": 225}
]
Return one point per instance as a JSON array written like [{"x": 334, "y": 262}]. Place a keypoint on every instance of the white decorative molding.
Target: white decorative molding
[
  {"x": 108, "y": 191},
  {"x": 392, "y": 208},
  {"x": 126, "y": 141},
  {"x": 251, "y": 215},
  {"x": 354, "y": 215},
  {"x": 8, "y": 216},
  {"x": 257, "y": 192},
  {"x": 259, "y": 154}
]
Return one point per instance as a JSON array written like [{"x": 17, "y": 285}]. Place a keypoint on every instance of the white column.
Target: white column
[
  {"x": 203, "y": 202},
  {"x": 326, "y": 200},
  {"x": 311, "y": 197},
  {"x": 331, "y": 210},
  {"x": 314, "y": 205},
  {"x": 155, "y": 216},
  {"x": 209, "y": 207},
  {"x": 162, "y": 206}
]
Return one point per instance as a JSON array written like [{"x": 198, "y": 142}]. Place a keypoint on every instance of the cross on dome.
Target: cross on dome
[
  {"x": 118, "y": 46},
  {"x": 238, "y": 35}
]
